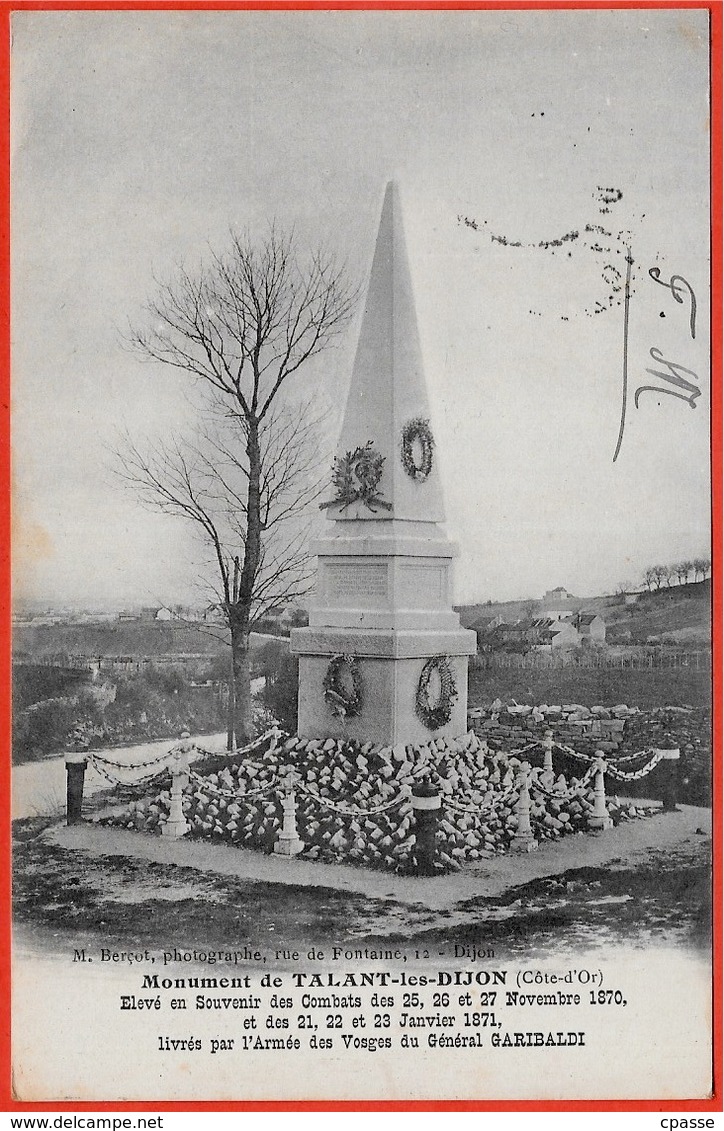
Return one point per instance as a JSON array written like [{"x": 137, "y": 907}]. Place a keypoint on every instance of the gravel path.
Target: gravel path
[
  {"x": 631, "y": 842},
  {"x": 38, "y": 788}
]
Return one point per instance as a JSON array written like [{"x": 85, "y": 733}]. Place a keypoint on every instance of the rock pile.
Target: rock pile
[{"x": 354, "y": 801}]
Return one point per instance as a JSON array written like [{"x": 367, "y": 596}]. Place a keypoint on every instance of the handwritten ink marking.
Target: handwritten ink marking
[
  {"x": 673, "y": 377},
  {"x": 671, "y": 372},
  {"x": 576, "y": 241},
  {"x": 624, "y": 378},
  {"x": 608, "y": 196},
  {"x": 613, "y": 278},
  {"x": 655, "y": 273}
]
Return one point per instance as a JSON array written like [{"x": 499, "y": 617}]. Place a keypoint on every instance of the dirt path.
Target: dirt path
[
  {"x": 38, "y": 788},
  {"x": 631, "y": 842}
]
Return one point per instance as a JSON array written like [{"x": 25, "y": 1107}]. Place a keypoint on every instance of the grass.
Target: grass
[
  {"x": 674, "y": 687},
  {"x": 78, "y": 899}
]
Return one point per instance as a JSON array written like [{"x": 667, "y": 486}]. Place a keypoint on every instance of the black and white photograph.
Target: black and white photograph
[{"x": 362, "y": 555}]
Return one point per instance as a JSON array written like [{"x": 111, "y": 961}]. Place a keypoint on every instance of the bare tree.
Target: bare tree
[
  {"x": 242, "y": 327},
  {"x": 205, "y": 481},
  {"x": 702, "y": 566},
  {"x": 650, "y": 578},
  {"x": 659, "y": 573},
  {"x": 669, "y": 574}
]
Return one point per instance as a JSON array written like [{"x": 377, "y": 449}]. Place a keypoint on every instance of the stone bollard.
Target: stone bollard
[
  {"x": 426, "y": 803},
  {"x": 599, "y": 818},
  {"x": 75, "y": 768},
  {"x": 670, "y": 786},
  {"x": 176, "y": 824},
  {"x": 288, "y": 842},
  {"x": 547, "y": 776},
  {"x": 523, "y": 840}
]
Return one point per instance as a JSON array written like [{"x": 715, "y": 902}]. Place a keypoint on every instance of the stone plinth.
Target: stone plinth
[{"x": 388, "y": 714}]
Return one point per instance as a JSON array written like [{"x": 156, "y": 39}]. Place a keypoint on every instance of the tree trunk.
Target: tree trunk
[
  {"x": 243, "y": 729},
  {"x": 231, "y": 707},
  {"x": 243, "y": 725},
  {"x": 240, "y": 621}
]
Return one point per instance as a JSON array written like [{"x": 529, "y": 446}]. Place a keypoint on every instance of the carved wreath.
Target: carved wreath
[
  {"x": 355, "y": 478},
  {"x": 343, "y": 686},
  {"x": 418, "y": 432},
  {"x": 435, "y": 710}
]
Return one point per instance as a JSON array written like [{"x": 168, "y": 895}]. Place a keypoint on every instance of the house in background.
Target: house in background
[
  {"x": 558, "y": 603},
  {"x": 546, "y": 634},
  {"x": 520, "y": 633},
  {"x": 555, "y": 635},
  {"x": 483, "y": 628},
  {"x": 213, "y": 614},
  {"x": 591, "y": 628}
]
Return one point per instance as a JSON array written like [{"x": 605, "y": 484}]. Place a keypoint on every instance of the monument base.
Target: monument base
[{"x": 390, "y": 665}]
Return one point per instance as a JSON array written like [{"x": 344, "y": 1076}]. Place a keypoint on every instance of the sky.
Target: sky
[{"x": 140, "y": 139}]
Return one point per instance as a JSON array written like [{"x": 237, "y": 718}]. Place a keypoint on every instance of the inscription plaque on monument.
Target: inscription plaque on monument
[
  {"x": 422, "y": 584},
  {"x": 357, "y": 580}
]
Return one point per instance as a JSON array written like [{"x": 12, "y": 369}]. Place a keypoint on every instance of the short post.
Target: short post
[
  {"x": 176, "y": 824},
  {"x": 670, "y": 786},
  {"x": 523, "y": 839},
  {"x": 599, "y": 818},
  {"x": 427, "y": 804},
  {"x": 75, "y": 768},
  {"x": 288, "y": 842},
  {"x": 547, "y": 744}
]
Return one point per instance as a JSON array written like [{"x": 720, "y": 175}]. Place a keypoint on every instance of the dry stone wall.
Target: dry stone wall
[{"x": 618, "y": 731}]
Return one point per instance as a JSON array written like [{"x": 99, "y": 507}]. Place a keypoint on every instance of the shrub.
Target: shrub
[
  {"x": 280, "y": 689},
  {"x": 44, "y": 727}
]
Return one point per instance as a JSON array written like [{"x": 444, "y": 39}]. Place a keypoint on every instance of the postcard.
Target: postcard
[{"x": 364, "y": 501}]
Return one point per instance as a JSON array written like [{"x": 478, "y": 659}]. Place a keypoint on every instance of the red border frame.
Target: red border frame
[{"x": 713, "y": 1104}]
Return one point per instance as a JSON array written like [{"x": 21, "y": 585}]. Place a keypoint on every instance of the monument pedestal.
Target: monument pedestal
[
  {"x": 387, "y": 716},
  {"x": 383, "y": 598}
]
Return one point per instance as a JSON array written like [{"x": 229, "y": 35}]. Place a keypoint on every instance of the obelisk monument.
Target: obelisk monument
[{"x": 384, "y": 658}]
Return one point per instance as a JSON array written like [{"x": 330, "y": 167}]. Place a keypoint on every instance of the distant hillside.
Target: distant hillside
[
  {"x": 119, "y": 638},
  {"x": 510, "y": 611},
  {"x": 680, "y": 613}
]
